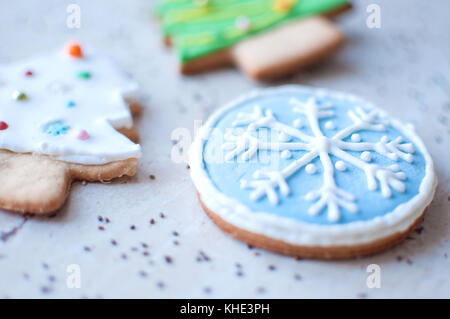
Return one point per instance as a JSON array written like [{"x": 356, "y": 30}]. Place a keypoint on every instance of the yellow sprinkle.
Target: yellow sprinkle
[{"x": 283, "y": 5}]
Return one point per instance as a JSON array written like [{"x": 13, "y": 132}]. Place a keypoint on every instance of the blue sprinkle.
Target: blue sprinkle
[
  {"x": 56, "y": 128},
  {"x": 70, "y": 104}
]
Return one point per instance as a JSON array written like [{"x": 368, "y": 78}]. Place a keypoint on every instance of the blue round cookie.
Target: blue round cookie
[{"x": 311, "y": 172}]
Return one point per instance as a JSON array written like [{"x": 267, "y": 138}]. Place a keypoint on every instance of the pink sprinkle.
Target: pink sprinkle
[
  {"x": 29, "y": 73},
  {"x": 83, "y": 135}
]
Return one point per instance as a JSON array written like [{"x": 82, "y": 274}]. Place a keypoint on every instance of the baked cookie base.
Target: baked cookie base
[
  {"x": 309, "y": 40},
  {"x": 39, "y": 185},
  {"x": 311, "y": 252}
]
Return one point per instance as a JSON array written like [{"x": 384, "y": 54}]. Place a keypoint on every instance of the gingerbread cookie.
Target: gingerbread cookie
[
  {"x": 60, "y": 120},
  {"x": 265, "y": 38},
  {"x": 311, "y": 173}
]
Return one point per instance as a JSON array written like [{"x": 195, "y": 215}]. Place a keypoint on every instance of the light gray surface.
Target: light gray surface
[{"x": 404, "y": 67}]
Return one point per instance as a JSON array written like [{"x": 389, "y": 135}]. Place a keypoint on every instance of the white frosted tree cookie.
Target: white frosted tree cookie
[
  {"x": 62, "y": 118},
  {"x": 266, "y": 39},
  {"x": 311, "y": 173}
]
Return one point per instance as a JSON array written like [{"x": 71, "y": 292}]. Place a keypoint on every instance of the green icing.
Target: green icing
[{"x": 199, "y": 27}]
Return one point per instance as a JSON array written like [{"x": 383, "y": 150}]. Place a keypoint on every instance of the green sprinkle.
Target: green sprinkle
[
  {"x": 84, "y": 75},
  {"x": 19, "y": 96}
]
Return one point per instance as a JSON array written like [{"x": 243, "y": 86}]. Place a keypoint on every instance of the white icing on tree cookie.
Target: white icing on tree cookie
[
  {"x": 68, "y": 107},
  {"x": 319, "y": 146}
]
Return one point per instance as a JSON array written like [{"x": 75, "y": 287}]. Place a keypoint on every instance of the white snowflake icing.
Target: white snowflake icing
[{"x": 330, "y": 195}]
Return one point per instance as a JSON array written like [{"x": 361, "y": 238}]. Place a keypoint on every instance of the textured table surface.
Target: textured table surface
[{"x": 174, "y": 250}]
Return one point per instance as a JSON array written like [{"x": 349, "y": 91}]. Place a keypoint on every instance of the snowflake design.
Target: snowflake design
[{"x": 330, "y": 195}]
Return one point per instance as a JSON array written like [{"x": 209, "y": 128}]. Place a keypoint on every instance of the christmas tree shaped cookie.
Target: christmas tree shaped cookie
[
  {"x": 264, "y": 38},
  {"x": 311, "y": 173},
  {"x": 62, "y": 117}
]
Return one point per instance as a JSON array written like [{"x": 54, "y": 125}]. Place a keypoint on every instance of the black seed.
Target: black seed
[
  {"x": 113, "y": 242},
  {"x": 160, "y": 284},
  {"x": 152, "y": 177},
  {"x": 45, "y": 289},
  {"x": 132, "y": 227},
  {"x": 207, "y": 290},
  {"x": 168, "y": 259},
  {"x": 152, "y": 221}
]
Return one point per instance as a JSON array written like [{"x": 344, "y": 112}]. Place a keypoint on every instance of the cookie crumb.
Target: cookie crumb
[{"x": 152, "y": 222}]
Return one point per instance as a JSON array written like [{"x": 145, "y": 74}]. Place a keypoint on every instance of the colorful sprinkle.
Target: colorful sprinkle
[
  {"x": 83, "y": 135},
  {"x": 283, "y": 6},
  {"x": 74, "y": 49},
  {"x": 56, "y": 128},
  {"x": 19, "y": 96},
  {"x": 84, "y": 75},
  {"x": 243, "y": 23},
  {"x": 71, "y": 104},
  {"x": 3, "y": 125},
  {"x": 29, "y": 73}
]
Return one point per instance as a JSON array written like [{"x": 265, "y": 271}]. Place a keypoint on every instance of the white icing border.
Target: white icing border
[{"x": 297, "y": 232}]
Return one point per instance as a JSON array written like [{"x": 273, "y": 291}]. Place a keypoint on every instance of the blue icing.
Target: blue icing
[{"x": 226, "y": 175}]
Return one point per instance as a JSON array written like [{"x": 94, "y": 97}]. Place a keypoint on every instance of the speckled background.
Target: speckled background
[{"x": 148, "y": 237}]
